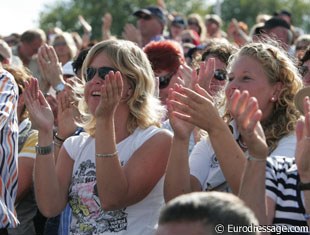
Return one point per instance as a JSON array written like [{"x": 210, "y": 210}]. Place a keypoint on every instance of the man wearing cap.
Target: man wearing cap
[
  {"x": 213, "y": 25},
  {"x": 279, "y": 30},
  {"x": 151, "y": 23},
  {"x": 178, "y": 24}
]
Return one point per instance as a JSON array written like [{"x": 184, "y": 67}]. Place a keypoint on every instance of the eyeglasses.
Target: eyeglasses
[
  {"x": 102, "y": 72},
  {"x": 220, "y": 75},
  {"x": 187, "y": 40},
  {"x": 190, "y": 22},
  {"x": 303, "y": 70},
  {"x": 55, "y": 44},
  {"x": 165, "y": 80}
]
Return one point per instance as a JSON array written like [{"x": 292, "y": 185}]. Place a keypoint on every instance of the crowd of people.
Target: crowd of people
[{"x": 175, "y": 128}]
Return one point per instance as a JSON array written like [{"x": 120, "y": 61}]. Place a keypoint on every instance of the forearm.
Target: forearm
[
  {"x": 111, "y": 180},
  {"x": 229, "y": 155},
  {"x": 177, "y": 178},
  {"x": 47, "y": 187},
  {"x": 252, "y": 190},
  {"x": 306, "y": 179}
]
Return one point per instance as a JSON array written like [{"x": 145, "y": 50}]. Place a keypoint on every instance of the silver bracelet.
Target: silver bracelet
[
  {"x": 251, "y": 158},
  {"x": 45, "y": 150},
  {"x": 106, "y": 155}
]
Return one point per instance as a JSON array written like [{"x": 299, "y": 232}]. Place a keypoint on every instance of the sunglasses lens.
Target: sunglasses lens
[
  {"x": 90, "y": 73},
  {"x": 103, "y": 71},
  {"x": 165, "y": 80},
  {"x": 220, "y": 75}
]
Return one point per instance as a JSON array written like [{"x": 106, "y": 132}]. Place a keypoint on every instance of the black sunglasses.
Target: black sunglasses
[
  {"x": 165, "y": 80},
  {"x": 102, "y": 72},
  {"x": 220, "y": 75}
]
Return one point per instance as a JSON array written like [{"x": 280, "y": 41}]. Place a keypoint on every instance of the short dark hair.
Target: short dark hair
[
  {"x": 306, "y": 56},
  {"x": 78, "y": 61},
  {"x": 33, "y": 34},
  {"x": 211, "y": 208}
]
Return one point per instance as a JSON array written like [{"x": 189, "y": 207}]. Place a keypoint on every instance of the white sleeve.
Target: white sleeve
[
  {"x": 73, "y": 144},
  {"x": 199, "y": 161}
]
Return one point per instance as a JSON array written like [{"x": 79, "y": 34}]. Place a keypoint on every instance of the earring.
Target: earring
[{"x": 273, "y": 99}]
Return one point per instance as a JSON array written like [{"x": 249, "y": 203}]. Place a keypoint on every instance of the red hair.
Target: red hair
[{"x": 164, "y": 55}]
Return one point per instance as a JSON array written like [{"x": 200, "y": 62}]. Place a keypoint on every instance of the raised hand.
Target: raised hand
[
  {"x": 181, "y": 128},
  {"x": 303, "y": 143},
  {"x": 196, "y": 107},
  {"x": 205, "y": 75},
  {"x": 244, "y": 109},
  {"x": 188, "y": 76},
  {"x": 133, "y": 34},
  {"x": 49, "y": 65},
  {"x": 111, "y": 94},
  {"x": 65, "y": 115},
  {"x": 39, "y": 110}
]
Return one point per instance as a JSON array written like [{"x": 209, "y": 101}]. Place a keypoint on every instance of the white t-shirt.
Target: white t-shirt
[
  {"x": 88, "y": 217},
  {"x": 205, "y": 166}
]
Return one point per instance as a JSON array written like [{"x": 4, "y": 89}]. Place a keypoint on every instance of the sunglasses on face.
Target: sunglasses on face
[
  {"x": 220, "y": 75},
  {"x": 102, "y": 72},
  {"x": 192, "y": 22},
  {"x": 186, "y": 40},
  {"x": 59, "y": 44},
  {"x": 165, "y": 80}
]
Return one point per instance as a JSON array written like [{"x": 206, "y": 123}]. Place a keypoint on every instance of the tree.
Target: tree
[{"x": 64, "y": 14}]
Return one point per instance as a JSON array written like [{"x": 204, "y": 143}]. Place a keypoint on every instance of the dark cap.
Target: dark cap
[
  {"x": 276, "y": 22},
  {"x": 152, "y": 11},
  {"x": 179, "y": 21},
  {"x": 285, "y": 12}
]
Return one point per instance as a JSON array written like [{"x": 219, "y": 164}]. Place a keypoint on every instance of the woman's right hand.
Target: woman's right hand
[
  {"x": 39, "y": 110},
  {"x": 247, "y": 115}
]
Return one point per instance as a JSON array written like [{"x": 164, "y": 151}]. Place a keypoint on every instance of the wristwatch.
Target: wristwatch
[
  {"x": 59, "y": 87},
  {"x": 303, "y": 186}
]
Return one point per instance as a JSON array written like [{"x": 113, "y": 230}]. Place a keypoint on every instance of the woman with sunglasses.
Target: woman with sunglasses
[
  {"x": 112, "y": 175},
  {"x": 165, "y": 57},
  {"x": 267, "y": 74}
]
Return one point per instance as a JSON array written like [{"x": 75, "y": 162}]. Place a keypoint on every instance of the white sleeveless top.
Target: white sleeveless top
[{"x": 88, "y": 217}]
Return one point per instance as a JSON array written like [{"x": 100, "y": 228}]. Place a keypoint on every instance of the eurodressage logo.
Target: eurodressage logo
[{"x": 214, "y": 161}]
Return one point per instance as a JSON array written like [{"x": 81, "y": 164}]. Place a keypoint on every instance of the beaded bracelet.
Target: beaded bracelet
[
  {"x": 106, "y": 155},
  {"x": 58, "y": 138}
]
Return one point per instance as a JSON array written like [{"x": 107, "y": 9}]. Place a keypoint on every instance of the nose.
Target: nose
[{"x": 230, "y": 88}]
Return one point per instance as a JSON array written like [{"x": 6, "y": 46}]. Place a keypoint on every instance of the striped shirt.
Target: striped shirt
[
  {"x": 281, "y": 186},
  {"x": 8, "y": 149}
]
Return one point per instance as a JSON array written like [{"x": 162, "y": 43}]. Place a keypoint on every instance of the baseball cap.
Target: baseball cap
[
  {"x": 67, "y": 69},
  {"x": 5, "y": 50},
  {"x": 276, "y": 22},
  {"x": 299, "y": 98},
  {"x": 179, "y": 21},
  {"x": 151, "y": 11},
  {"x": 214, "y": 18}
]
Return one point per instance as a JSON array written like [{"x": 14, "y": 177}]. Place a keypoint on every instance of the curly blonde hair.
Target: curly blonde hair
[
  {"x": 132, "y": 62},
  {"x": 279, "y": 68}
]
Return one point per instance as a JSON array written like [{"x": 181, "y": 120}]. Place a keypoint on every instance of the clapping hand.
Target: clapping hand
[
  {"x": 40, "y": 112},
  {"x": 244, "y": 109},
  {"x": 111, "y": 94}
]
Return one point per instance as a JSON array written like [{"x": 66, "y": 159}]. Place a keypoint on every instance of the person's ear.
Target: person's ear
[
  {"x": 128, "y": 94},
  {"x": 276, "y": 92}
]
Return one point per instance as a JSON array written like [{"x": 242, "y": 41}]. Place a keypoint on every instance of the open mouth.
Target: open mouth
[{"x": 96, "y": 93}]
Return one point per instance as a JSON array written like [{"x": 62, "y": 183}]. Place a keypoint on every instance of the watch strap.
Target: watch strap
[{"x": 303, "y": 186}]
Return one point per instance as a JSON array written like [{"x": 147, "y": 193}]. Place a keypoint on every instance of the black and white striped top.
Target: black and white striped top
[{"x": 281, "y": 186}]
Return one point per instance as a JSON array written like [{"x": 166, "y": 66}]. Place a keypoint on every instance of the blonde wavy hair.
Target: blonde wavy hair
[
  {"x": 132, "y": 62},
  {"x": 279, "y": 68}
]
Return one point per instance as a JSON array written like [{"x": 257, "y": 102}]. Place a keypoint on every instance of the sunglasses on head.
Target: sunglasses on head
[
  {"x": 102, "y": 72},
  {"x": 220, "y": 75},
  {"x": 192, "y": 22},
  {"x": 165, "y": 80}
]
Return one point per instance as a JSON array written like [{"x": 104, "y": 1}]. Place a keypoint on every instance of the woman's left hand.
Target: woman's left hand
[{"x": 111, "y": 94}]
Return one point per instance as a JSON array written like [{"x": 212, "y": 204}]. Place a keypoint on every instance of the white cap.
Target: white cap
[{"x": 67, "y": 69}]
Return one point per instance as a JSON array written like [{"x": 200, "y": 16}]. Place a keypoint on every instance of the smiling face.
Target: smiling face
[
  {"x": 248, "y": 74},
  {"x": 92, "y": 87}
]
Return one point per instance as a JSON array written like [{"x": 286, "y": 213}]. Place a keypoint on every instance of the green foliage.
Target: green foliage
[{"x": 64, "y": 14}]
